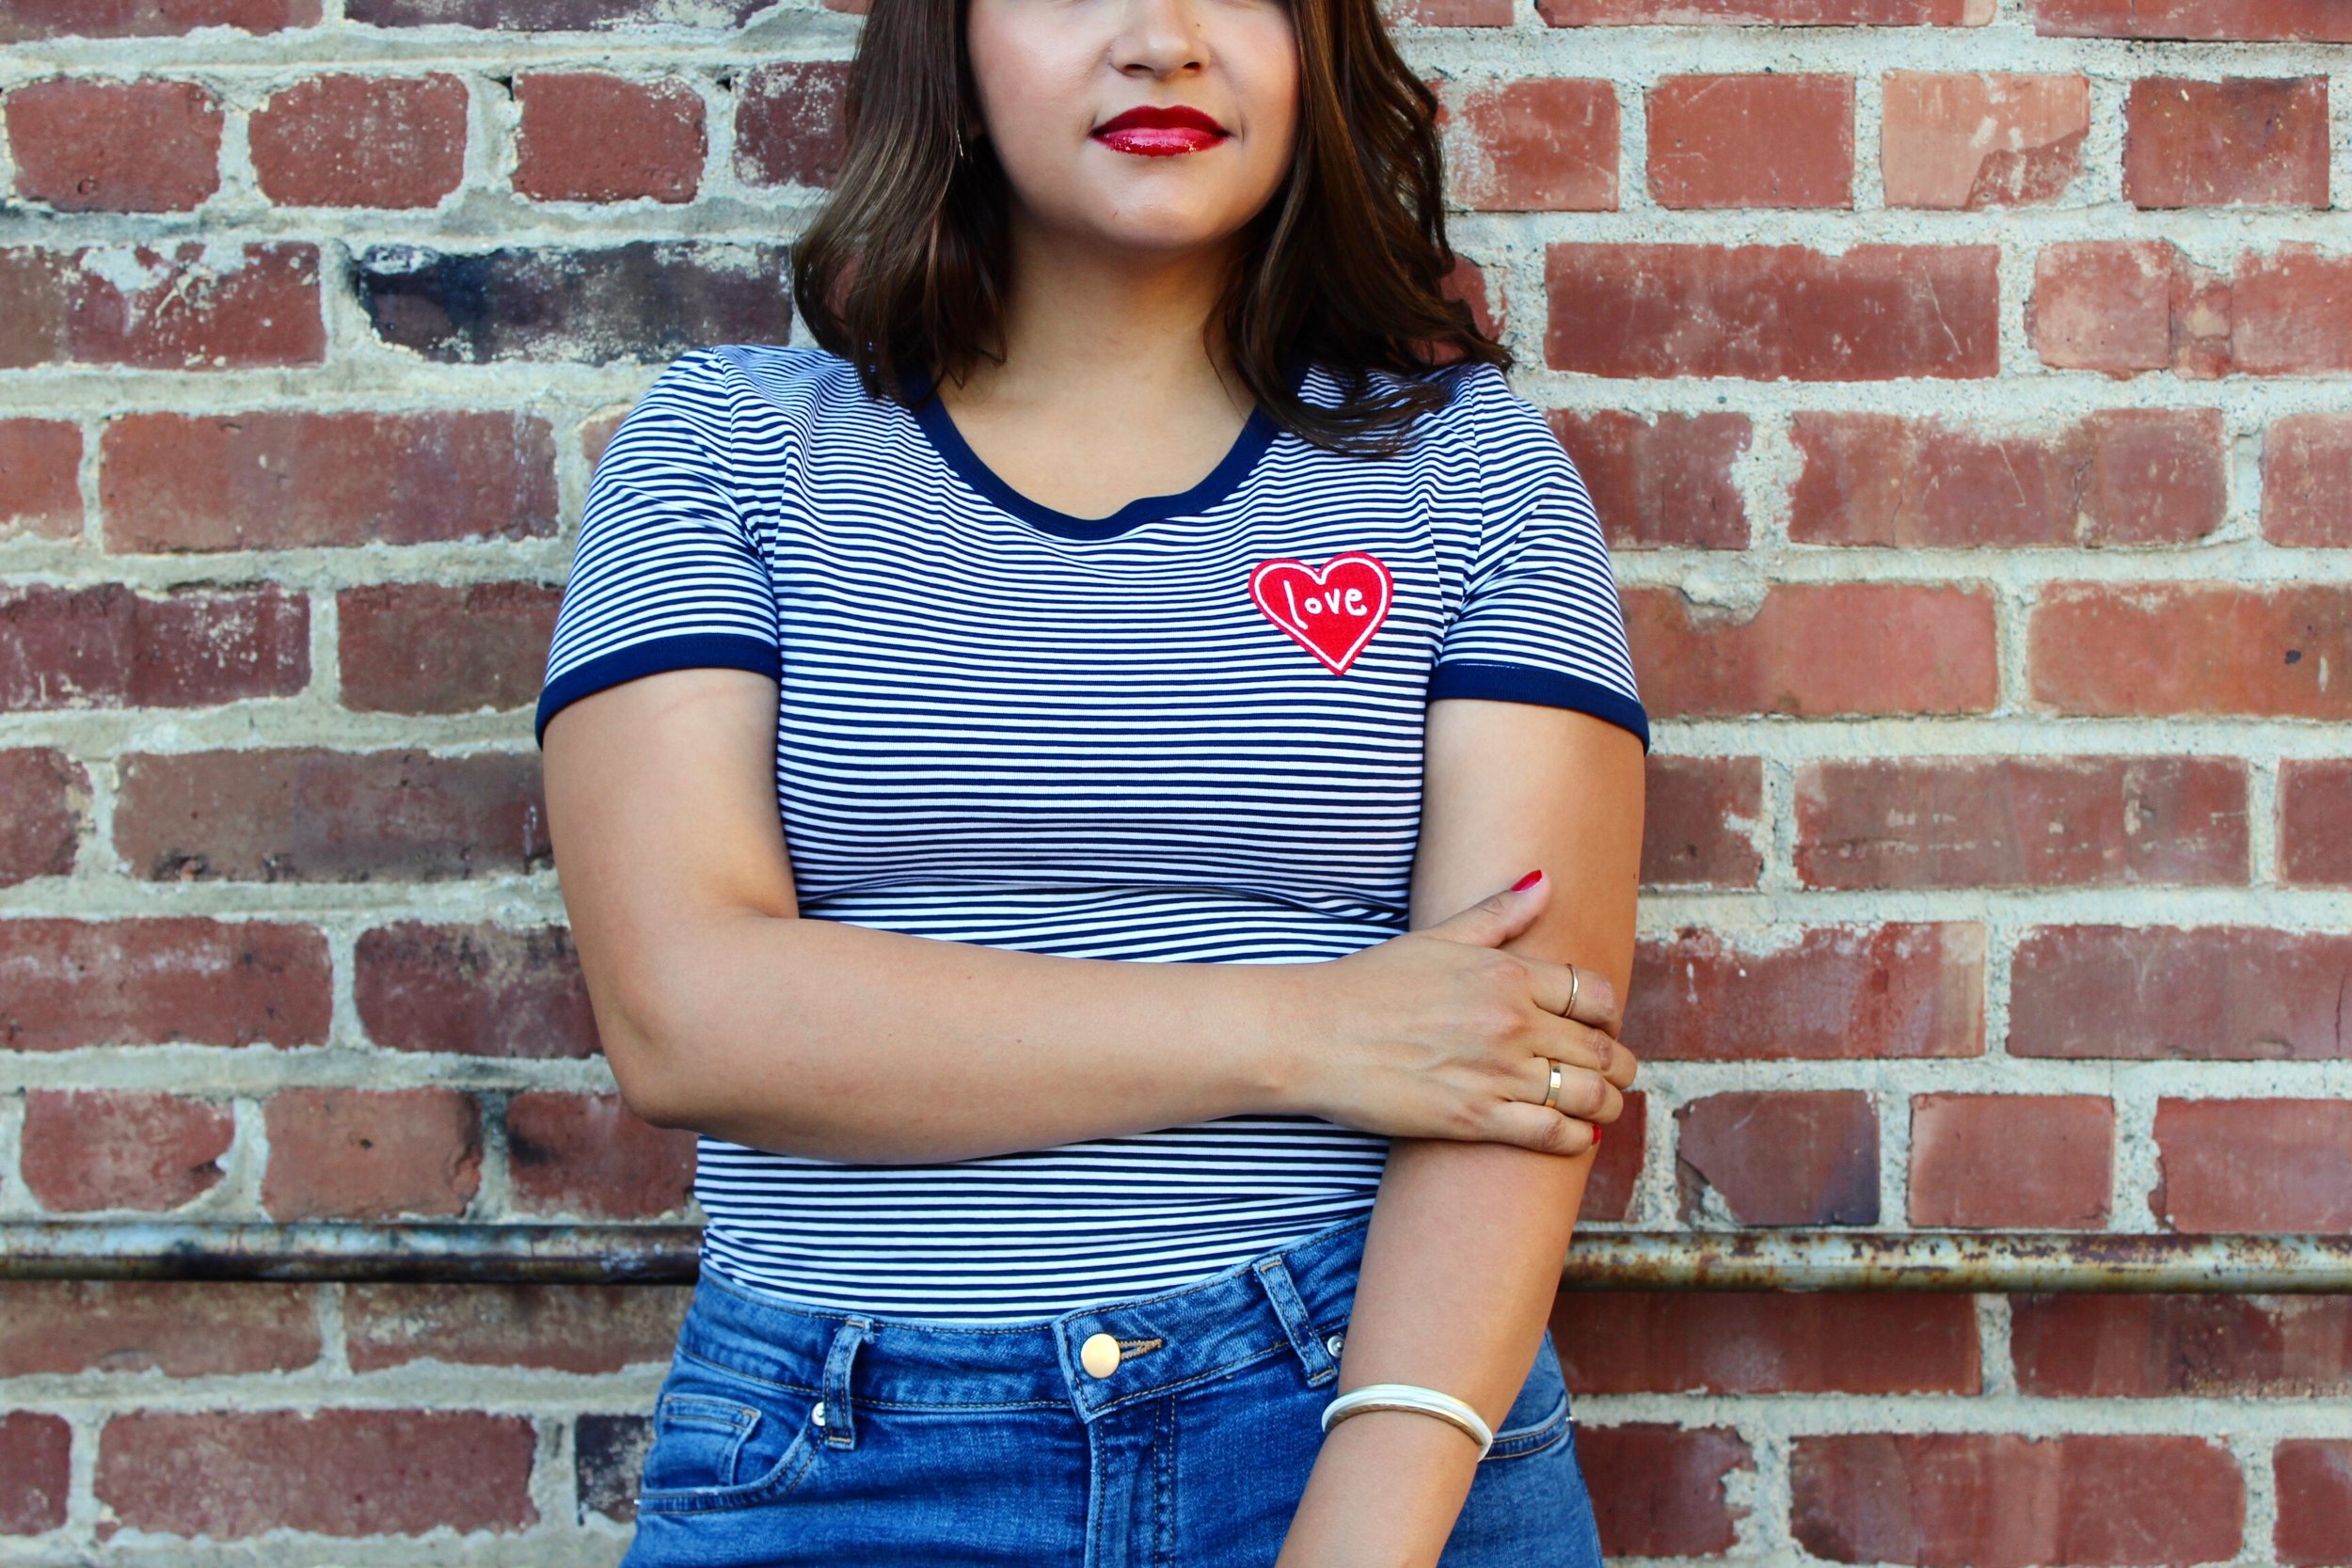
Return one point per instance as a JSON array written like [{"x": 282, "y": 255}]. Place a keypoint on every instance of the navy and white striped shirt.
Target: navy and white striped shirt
[{"x": 1189, "y": 732}]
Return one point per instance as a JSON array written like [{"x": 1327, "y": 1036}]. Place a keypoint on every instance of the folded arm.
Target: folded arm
[{"x": 1468, "y": 1239}]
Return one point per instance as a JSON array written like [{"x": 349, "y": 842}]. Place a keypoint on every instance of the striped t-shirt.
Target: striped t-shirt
[{"x": 1188, "y": 731}]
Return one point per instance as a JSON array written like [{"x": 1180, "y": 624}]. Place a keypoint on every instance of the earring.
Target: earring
[{"x": 958, "y": 129}]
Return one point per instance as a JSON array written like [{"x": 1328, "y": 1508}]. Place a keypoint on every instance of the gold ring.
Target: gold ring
[
  {"x": 1551, "y": 1092},
  {"x": 1574, "y": 980}
]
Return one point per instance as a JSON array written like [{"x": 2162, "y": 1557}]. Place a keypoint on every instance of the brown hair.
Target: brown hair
[{"x": 907, "y": 263}]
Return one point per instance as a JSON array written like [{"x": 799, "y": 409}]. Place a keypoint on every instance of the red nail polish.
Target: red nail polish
[
  {"x": 1596, "y": 1138},
  {"x": 1527, "y": 881}
]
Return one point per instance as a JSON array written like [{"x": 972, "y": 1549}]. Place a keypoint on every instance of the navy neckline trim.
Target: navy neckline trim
[{"x": 1257, "y": 434}]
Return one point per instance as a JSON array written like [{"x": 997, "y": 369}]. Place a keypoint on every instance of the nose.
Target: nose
[{"x": 1158, "y": 39}]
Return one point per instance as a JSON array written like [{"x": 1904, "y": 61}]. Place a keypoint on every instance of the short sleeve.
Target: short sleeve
[
  {"x": 666, "y": 575},
  {"x": 1539, "y": 620}
]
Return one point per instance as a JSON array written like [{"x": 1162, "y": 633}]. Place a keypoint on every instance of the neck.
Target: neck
[{"x": 1085, "y": 321}]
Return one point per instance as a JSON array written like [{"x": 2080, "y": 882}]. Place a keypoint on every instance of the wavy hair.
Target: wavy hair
[{"x": 907, "y": 264}]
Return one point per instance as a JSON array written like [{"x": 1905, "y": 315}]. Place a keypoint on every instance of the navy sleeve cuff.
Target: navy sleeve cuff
[
  {"x": 1524, "y": 683},
  {"x": 692, "y": 651}
]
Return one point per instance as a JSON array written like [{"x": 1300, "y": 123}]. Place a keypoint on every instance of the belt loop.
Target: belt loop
[
  {"x": 1274, "y": 1275},
  {"x": 840, "y": 1430}
]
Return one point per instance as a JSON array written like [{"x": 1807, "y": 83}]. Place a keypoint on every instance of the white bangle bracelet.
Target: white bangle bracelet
[{"x": 1411, "y": 1396}]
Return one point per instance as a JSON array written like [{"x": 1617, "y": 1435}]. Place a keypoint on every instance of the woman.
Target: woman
[{"x": 1014, "y": 769}]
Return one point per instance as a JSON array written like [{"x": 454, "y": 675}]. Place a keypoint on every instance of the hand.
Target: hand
[{"x": 1439, "y": 1034}]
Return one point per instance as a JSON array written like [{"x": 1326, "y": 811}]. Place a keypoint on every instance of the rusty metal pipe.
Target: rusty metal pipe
[{"x": 1600, "y": 1261}]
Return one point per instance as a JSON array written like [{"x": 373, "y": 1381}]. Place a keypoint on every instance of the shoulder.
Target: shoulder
[{"x": 728, "y": 396}]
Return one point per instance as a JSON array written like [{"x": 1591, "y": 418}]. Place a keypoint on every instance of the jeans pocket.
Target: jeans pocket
[
  {"x": 1539, "y": 1416},
  {"x": 722, "y": 1441}
]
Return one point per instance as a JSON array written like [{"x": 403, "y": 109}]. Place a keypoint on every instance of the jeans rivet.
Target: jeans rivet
[
  {"x": 817, "y": 1415},
  {"x": 1332, "y": 1343}
]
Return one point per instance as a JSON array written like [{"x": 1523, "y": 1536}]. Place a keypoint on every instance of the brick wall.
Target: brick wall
[{"x": 1963, "y": 382}]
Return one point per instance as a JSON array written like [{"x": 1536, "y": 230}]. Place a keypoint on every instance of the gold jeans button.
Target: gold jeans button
[{"x": 1099, "y": 1355}]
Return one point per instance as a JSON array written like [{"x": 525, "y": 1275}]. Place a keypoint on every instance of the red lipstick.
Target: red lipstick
[{"x": 1151, "y": 131}]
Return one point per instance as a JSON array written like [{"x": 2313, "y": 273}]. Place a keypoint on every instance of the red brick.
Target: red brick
[
  {"x": 1818, "y": 648},
  {"x": 2021, "y": 822},
  {"x": 1999, "y": 1500},
  {"x": 2121, "y": 476},
  {"x": 2190, "y": 143},
  {"x": 2307, "y": 471},
  {"x": 22, "y": 21},
  {"x": 2163, "y": 994},
  {"x": 589, "y": 1155},
  {"x": 1780, "y": 13},
  {"x": 565, "y": 1328},
  {"x": 361, "y": 141},
  {"x": 2122, "y": 306},
  {"x": 48, "y": 797},
  {"x": 1766, "y": 1342},
  {"x": 1773, "y": 312},
  {"x": 161, "y": 980},
  {"x": 2270, "y": 1166},
  {"x": 1830, "y": 994},
  {"x": 1658, "y": 1490},
  {"x": 1535, "y": 144},
  {"x": 596, "y": 433},
  {"x": 1617, "y": 1168},
  {"x": 179, "y": 1328},
  {"x": 787, "y": 123},
  {"x": 474, "y": 990},
  {"x": 587, "y": 137},
  {"x": 311, "y": 814},
  {"x": 40, "y": 486},
  {"x": 429, "y": 648},
  {"x": 2313, "y": 21},
  {"x": 1698, "y": 828},
  {"x": 2288, "y": 312},
  {"x": 183, "y": 309},
  {"x": 363, "y": 1155},
  {"x": 2181, "y": 648},
  {"x": 642, "y": 301},
  {"x": 36, "y": 1459},
  {"x": 2027, "y": 1162},
  {"x": 87, "y": 1150},
  {"x": 608, "y": 1450},
  {"x": 1783, "y": 139},
  {"x": 1807, "y": 1157},
  {"x": 290, "y": 480},
  {"x": 116, "y": 147},
  {"x": 106, "y": 646},
  {"x": 2316, "y": 823},
  {"x": 1466, "y": 280},
  {"x": 2108, "y": 1347},
  {"x": 2104, "y": 304},
  {"x": 543, "y": 16},
  {"x": 230, "y": 1475},
  {"x": 2314, "y": 1501},
  {"x": 1961, "y": 140},
  {"x": 1421, "y": 13},
  {"x": 1661, "y": 480}
]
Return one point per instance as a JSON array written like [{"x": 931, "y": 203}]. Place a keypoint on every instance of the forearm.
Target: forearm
[
  {"x": 844, "y": 1043},
  {"x": 1460, "y": 1267}
]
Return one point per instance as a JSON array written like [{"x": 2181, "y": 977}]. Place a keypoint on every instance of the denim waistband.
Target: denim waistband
[{"x": 1290, "y": 1299}]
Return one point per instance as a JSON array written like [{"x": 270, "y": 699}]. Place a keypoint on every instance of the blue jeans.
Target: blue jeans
[{"x": 786, "y": 1434}]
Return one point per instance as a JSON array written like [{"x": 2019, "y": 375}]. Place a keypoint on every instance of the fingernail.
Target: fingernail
[
  {"x": 1595, "y": 1137},
  {"x": 1527, "y": 881}
]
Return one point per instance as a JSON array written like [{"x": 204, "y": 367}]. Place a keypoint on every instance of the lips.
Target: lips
[{"x": 1150, "y": 132}]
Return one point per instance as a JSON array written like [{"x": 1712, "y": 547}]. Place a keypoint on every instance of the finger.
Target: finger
[
  {"x": 1554, "y": 985},
  {"x": 1543, "y": 1131},
  {"x": 1584, "y": 1094},
  {"x": 1578, "y": 1045},
  {"x": 1495, "y": 918}
]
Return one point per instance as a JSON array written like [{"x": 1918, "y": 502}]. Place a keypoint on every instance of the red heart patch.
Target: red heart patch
[{"x": 1332, "y": 613}]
